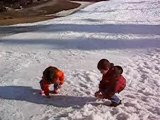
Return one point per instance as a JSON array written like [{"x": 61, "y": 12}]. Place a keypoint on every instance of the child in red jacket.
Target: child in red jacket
[
  {"x": 51, "y": 75},
  {"x": 112, "y": 82}
]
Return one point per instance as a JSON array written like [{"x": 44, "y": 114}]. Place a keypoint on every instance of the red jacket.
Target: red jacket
[
  {"x": 112, "y": 82},
  {"x": 45, "y": 84}
]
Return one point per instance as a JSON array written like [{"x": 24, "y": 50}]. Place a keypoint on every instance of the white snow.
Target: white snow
[{"x": 127, "y": 32}]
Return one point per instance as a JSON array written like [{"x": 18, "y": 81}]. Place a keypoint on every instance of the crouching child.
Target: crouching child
[
  {"x": 112, "y": 82},
  {"x": 51, "y": 75}
]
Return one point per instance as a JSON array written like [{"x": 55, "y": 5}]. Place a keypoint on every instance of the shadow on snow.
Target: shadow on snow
[
  {"x": 23, "y": 93},
  {"x": 102, "y": 28},
  {"x": 85, "y": 44}
]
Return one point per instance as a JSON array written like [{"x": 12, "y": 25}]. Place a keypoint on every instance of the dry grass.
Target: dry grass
[
  {"x": 36, "y": 12},
  {"x": 24, "y": 20}
]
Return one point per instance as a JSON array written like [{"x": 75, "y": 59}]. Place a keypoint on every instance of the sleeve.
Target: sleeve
[
  {"x": 110, "y": 91},
  {"x": 101, "y": 85},
  {"x": 46, "y": 89},
  {"x": 61, "y": 77}
]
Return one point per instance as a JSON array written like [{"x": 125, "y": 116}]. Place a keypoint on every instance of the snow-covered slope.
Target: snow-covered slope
[{"x": 127, "y": 32}]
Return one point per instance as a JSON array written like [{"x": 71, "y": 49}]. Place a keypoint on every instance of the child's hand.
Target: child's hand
[{"x": 99, "y": 95}]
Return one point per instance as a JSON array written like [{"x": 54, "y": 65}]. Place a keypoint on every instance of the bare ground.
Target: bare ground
[{"x": 40, "y": 11}]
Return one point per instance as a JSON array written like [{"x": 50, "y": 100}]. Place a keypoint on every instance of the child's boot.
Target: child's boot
[{"x": 114, "y": 104}]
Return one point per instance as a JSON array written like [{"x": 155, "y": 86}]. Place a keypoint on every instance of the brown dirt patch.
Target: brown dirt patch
[{"x": 36, "y": 12}]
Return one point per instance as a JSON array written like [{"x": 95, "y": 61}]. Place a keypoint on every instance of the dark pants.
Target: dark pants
[
  {"x": 114, "y": 98},
  {"x": 56, "y": 86}
]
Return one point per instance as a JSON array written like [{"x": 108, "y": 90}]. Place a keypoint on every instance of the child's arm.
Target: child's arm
[
  {"x": 46, "y": 90},
  {"x": 108, "y": 91},
  {"x": 111, "y": 90},
  {"x": 61, "y": 77},
  {"x": 99, "y": 93}
]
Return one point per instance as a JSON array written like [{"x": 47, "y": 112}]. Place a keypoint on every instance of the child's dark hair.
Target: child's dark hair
[
  {"x": 103, "y": 64},
  {"x": 50, "y": 73}
]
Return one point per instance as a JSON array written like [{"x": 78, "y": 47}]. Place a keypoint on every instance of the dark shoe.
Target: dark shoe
[{"x": 113, "y": 104}]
